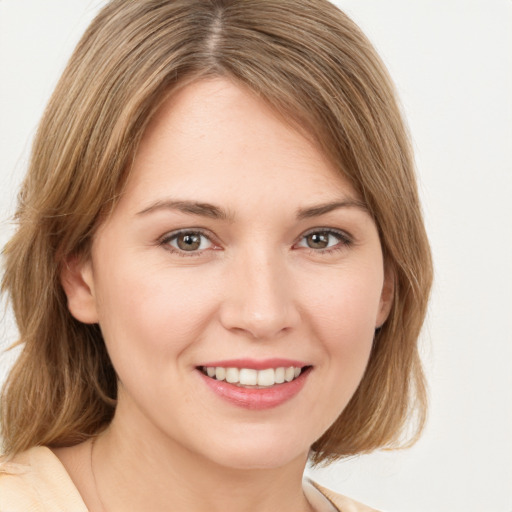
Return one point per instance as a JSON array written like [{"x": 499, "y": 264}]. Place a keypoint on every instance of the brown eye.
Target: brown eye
[
  {"x": 324, "y": 241},
  {"x": 187, "y": 241},
  {"x": 318, "y": 240}
]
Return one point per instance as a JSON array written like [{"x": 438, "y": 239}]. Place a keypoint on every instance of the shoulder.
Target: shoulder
[
  {"x": 36, "y": 481},
  {"x": 341, "y": 503}
]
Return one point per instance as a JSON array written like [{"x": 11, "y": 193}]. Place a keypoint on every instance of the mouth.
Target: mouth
[
  {"x": 255, "y": 385},
  {"x": 251, "y": 378}
]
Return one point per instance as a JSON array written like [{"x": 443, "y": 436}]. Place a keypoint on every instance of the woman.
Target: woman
[{"x": 220, "y": 269}]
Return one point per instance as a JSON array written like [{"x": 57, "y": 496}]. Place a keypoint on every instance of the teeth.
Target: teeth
[
  {"x": 232, "y": 375},
  {"x": 267, "y": 377},
  {"x": 250, "y": 377},
  {"x": 289, "y": 374}
]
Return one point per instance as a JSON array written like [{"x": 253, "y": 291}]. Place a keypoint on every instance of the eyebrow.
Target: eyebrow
[
  {"x": 321, "y": 209},
  {"x": 190, "y": 207},
  {"x": 215, "y": 212}
]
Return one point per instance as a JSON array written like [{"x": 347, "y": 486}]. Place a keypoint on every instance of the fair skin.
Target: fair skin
[{"x": 258, "y": 287}]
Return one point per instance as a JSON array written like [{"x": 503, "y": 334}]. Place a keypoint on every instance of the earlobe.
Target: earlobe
[
  {"x": 387, "y": 296},
  {"x": 77, "y": 280}
]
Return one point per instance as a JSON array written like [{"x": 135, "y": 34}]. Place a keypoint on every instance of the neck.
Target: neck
[{"x": 162, "y": 475}]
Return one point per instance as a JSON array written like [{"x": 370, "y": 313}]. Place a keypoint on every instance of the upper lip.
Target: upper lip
[{"x": 255, "y": 364}]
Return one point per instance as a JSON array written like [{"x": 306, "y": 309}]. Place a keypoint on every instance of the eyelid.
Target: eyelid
[
  {"x": 332, "y": 231},
  {"x": 345, "y": 239},
  {"x": 171, "y": 235}
]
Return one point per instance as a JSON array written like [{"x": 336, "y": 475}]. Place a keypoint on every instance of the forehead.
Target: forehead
[{"x": 214, "y": 140}]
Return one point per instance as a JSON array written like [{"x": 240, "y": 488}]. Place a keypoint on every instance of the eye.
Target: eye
[
  {"x": 325, "y": 240},
  {"x": 187, "y": 242}
]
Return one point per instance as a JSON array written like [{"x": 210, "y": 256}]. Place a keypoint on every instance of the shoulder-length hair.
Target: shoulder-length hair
[{"x": 311, "y": 63}]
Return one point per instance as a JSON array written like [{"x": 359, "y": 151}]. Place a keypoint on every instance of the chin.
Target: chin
[
  {"x": 250, "y": 460},
  {"x": 259, "y": 451}
]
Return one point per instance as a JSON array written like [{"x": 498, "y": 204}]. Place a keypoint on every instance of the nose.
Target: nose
[{"x": 259, "y": 296}]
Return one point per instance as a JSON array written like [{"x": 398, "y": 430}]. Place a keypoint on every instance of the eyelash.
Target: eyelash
[{"x": 345, "y": 241}]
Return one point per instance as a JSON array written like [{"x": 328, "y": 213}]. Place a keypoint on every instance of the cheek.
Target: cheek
[
  {"x": 344, "y": 319},
  {"x": 149, "y": 317},
  {"x": 345, "y": 309}
]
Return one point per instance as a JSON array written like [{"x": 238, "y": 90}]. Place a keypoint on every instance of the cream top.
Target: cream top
[{"x": 36, "y": 481}]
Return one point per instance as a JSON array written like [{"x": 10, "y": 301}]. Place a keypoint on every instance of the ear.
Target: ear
[
  {"x": 387, "y": 296},
  {"x": 77, "y": 279}
]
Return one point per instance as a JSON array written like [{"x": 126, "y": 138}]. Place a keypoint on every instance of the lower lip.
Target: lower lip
[{"x": 253, "y": 398}]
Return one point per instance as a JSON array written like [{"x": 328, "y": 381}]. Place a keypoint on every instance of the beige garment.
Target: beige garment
[{"x": 36, "y": 481}]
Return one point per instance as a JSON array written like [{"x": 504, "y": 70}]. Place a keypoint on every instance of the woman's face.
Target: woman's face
[{"x": 238, "y": 251}]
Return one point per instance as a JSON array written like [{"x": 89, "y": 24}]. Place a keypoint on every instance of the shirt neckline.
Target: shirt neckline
[{"x": 58, "y": 480}]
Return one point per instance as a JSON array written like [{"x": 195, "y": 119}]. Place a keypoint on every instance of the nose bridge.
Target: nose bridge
[{"x": 260, "y": 298}]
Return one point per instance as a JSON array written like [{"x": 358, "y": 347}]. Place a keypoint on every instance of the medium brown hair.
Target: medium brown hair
[{"x": 311, "y": 63}]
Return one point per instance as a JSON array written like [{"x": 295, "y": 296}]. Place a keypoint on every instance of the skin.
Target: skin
[{"x": 255, "y": 288}]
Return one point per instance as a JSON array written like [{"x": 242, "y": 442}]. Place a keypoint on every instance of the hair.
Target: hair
[{"x": 310, "y": 63}]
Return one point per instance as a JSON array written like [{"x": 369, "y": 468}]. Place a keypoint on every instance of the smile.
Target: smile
[
  {"x": 255, "y": 385},
  {"x": 252, "y": 378}
]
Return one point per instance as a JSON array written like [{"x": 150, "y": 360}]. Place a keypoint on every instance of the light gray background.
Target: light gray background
[{"x": 452, "y": 63}]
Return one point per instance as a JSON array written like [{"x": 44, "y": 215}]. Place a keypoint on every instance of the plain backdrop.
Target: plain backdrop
[{"x": 452, "y": 63}]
